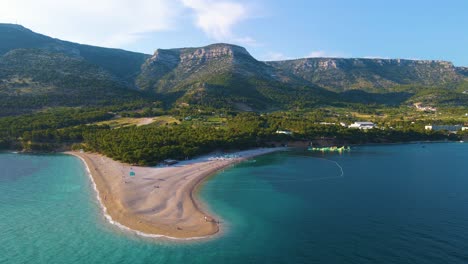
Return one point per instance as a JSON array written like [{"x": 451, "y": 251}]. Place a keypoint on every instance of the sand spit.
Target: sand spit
[{"x": 159, "y": 201}]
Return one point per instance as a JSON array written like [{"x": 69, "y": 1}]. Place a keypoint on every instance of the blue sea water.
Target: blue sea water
[{"x": 376, "y": 204}]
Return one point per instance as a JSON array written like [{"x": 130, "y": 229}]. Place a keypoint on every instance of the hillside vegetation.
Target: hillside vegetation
[{"x": 37, "y": 72}]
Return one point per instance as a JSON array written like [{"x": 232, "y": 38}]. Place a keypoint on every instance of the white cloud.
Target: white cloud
[
  {"x": 103, "y": 22},
  {"x": 325, "y": 54},
  {"x": 116, "y": 23},
  {"x": 217, "y": 19}
]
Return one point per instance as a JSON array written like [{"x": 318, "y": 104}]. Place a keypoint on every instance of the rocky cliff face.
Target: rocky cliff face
[
  {"x": 219, "y": 72},
  {"x": 215, "y": 51},
  {"x": 168, "y": 70},
  {"x": 229, "y": 71},
  {"x": 340, "y": 74},
  {"x": 197, "y": 56}
]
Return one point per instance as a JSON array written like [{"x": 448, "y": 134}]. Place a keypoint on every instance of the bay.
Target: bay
[{"x": 385, "y": 204}]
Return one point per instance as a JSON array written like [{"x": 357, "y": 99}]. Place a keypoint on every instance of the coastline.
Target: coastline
[{"x": 158, "y": 201}]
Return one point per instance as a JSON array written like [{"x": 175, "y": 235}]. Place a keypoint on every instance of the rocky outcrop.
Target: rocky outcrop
[
  {"x": 172, "y": 57},
  {"x": 215, "y": 51},
  {"x": 216, "y": 74},
  {"x": 168, "y": 69},
  {"x": 463, "y": 71},
  {"x": 339, "y": 74}
]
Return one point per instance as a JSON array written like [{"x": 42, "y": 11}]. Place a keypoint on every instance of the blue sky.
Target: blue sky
[{"x": 270, "y": 30}]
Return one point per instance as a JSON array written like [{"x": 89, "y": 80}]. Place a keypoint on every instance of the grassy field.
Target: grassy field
[{"x": 129, "y": 121}]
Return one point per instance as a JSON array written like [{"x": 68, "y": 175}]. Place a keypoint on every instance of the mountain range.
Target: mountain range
[{"x": 38, "y": 71}]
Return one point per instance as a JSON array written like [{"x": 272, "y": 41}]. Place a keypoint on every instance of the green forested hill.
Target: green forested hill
[
  {"x": 32, "y": 79},
  {"x": 223, "y": 74},
  {"x": 38, "y": 71},
  {"x": 123, "y": 64},
  {"x": 372, "y": 75}
]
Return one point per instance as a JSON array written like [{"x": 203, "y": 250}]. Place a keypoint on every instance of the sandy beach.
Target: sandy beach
[{"x": 159, "y": 201}]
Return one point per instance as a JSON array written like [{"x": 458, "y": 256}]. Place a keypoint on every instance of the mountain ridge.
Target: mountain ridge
[
  {"x": 341, "y": 74},
  {"x": 219, "y": 72},
  {"x": 123, "y": 64},
  {"x": 216, "y": 75}
]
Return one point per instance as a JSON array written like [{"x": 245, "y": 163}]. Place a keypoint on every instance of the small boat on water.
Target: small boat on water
[{"x": 330, "y": 149}]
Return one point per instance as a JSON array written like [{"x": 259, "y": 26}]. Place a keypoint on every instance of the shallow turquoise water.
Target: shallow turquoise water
[{"x": 393, "y": 204}]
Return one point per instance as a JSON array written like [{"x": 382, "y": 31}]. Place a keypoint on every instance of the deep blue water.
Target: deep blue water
[{"x": 376, "y": 204}]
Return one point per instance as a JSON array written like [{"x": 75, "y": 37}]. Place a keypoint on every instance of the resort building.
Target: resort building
[
  {"x": 362, "y": 125},
  {"x": 451, "y": 128}
]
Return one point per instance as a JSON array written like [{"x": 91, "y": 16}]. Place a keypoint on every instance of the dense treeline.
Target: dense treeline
[
  {"x": 45, "y": 128},
  {"x": 61, "y": 129},
  {"x": 151, "y": 144},
  {"x": 58, "y": 125},
  {"x": 15, "y": 126},
  {"x": 148, "y": 145},
  {"x": 56, "y": 139},
  {"x": 32, "y": 79},
  {"x": 17, "y": 105},
  {"x": 65, "y": 117}
]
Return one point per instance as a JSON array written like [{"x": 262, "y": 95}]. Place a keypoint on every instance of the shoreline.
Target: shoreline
[
  {"x": 171, "y": 210},
  {"x": 34, "y": 152}
]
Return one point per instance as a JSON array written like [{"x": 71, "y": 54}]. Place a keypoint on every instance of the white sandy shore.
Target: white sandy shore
[{"x": 159, "y": 201}]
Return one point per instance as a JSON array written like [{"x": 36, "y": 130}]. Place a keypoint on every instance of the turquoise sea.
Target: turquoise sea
[{"x": 376, "y": 204}]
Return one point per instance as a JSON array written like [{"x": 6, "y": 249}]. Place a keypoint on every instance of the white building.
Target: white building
[{"x": 362, "y": 125}]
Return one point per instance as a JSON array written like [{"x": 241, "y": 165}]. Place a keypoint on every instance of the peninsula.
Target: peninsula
[{"x": 159, "y": 201}]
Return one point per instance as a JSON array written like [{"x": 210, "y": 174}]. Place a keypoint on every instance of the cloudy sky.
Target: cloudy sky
[{"x": 269, "y": 29}]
